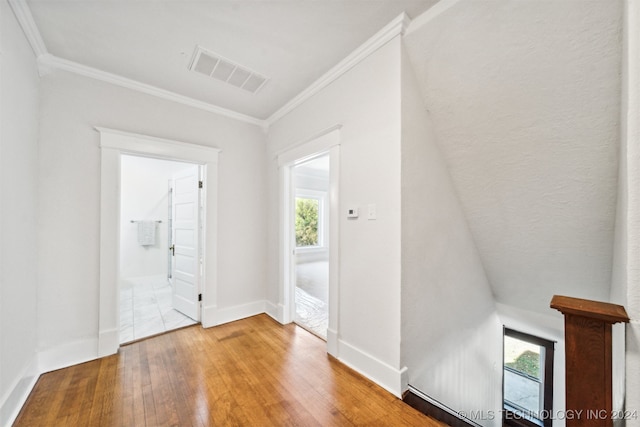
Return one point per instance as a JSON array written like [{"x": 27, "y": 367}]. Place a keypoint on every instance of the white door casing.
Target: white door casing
[
  {"x": 186, "y": 253},
  {"x": 326, "y": 141},
  {"x": 114, "y": 143}
]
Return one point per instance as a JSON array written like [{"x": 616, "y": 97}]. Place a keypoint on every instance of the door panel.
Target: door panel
[{"x": 186, "y": 271}]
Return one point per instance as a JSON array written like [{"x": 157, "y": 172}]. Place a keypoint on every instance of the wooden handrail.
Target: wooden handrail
[
  {"x": 610, "y": 313},
  {"x": 588, "y": 347}
]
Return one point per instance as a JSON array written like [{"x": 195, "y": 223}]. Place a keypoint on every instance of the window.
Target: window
[
  {"x": 527, "y": 380},
  {"x": 308, "y": 211}
]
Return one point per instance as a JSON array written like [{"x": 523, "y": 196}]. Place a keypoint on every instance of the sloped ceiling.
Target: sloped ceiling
[
  {"x": 525, "y": 98},
  {"x": 293, "y": 42}
]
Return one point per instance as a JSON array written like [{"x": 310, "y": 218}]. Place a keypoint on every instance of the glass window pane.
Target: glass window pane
[
  {"x": 307, "y": 211},
  {"x": 523, "y": 374}
]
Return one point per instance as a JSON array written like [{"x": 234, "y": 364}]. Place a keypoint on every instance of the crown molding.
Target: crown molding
[
  {"x": 29, "y": 27},
  {"x": 441, "y": 7},
  {"x": 396, "y": 27},
  {"x": 49, "y": 61}
]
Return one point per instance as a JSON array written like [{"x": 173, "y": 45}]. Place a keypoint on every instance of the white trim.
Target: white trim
[
  {"x": 333, "y": 343},
  {"x": 433, "y": 12},
  {"x": 47, "y": 62},
  {"x": 325, "y": 141},
  {"x": 16, "y": 396},
  {"x": 68, "y": 354},
  {"x": 51, "y": 61},
  {"x": 334, "y": 250},
  {"x": 29, "y": 27},
  {"x": 299, "y": 151},
  {"x": 128, "y": 142},
  {"x": 396, "y": 27},
  {"x": 113, "y": 144},
  {"x": 272, "y": 311},
  {"x": 387, "y": 377},
  {"x": 238, "y": 312},
  {"x": 107, "y": 340}
]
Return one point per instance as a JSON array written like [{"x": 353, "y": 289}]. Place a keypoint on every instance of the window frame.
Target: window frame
[
  {"x": 321, "y": 197},
  {"x": 509, "y": 415}
]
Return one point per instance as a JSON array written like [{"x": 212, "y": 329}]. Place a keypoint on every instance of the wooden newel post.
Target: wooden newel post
[{"x": 587, "y": 336}]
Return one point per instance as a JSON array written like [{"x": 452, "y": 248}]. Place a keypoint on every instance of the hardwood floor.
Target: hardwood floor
[{"x": 253, "y": 372}]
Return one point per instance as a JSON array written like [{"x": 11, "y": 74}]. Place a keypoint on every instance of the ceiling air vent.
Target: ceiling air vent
[{"x": 220, "y": 68}]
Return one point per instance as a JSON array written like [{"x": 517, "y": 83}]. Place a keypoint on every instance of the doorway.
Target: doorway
[
  {"x": 159, "y": 216},
  {"x": 326, "y": 145},
  {"x": 311, "y": 186},
  {"x": 114, "y": 143}
]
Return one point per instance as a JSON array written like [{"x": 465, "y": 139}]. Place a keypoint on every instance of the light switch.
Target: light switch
[
  {"x": 371, "y": 212},
  {"x": 352, "y": 213}
]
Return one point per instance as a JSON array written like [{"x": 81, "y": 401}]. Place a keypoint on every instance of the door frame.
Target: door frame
[
  {"x": 327, "y": 141},
  {"x": 114, "y": 143}
]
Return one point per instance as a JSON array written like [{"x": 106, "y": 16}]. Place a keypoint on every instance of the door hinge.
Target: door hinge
[
  {"x": 200, "y": 184},
  {"x": 199, "y": 297}
]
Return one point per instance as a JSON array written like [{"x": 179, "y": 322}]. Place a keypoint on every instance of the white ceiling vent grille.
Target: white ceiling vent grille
[{"x": 217, "y": 67}]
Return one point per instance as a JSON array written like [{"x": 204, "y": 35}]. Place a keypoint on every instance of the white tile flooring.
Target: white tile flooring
[{"x": 146, "y": 308}]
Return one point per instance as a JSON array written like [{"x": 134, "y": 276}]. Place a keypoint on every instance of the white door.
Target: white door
[{"x": 186, "y": 253}]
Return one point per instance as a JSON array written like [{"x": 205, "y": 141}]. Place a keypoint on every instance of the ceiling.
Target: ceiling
[
  {"x": 525, "y": 100},
  {"x": 292, "y": 42},
  {"x": 524, "y": 96}
]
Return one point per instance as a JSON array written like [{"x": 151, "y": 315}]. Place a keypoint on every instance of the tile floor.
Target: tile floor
[
  {"x": 312, "y": 295},
  {"x": 146, "y": 309}
]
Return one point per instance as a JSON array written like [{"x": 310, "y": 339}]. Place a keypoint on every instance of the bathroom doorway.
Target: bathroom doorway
[{"x": 160, "y": 211}]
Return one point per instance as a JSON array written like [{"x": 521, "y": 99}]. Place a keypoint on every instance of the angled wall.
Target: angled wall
[
  {"x": 451, "y": 335},
  {"x": 524, "y": 98}
]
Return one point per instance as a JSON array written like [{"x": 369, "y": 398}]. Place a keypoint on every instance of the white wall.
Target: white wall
[
  {"x": 451, "y": 336},
  {"x": 70, "y": 196},
  {"x": 144, "y": 195},
  {"x": 366, "y": 102},
  {"x": 625, "y": 286},
  {"x": 19, "y": 97}
]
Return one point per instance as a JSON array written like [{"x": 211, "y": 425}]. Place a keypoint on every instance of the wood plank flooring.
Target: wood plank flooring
[{"x": 253, "y": 372}]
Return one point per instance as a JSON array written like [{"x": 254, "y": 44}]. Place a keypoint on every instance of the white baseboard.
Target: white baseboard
[
  {"x": 108, "y": 342},
  {"x": 273, "y": 310},
  {"x": 209, "y": 313},
  {"x": 237, "y": 312},
  {"x": 376, "y": 370},
  {"x": 13, "y": 401},
  {"x": 66, "y": 355},
  {"x": 332, "y": 343}
]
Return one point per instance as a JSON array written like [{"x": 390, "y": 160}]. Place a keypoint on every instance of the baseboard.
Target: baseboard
[
  {"x": 434, "y": 409},
  {"x": 333, "y": 343},
  {"x": 15, "y": 399},
  {"x": 376, "y": 370},
  {"x": 237, "y": 312},
  {"x": 66, "y": 355},
  {"x": 209, "y": 313},
  {"x": 273, "y": 311},
  {"x": 108, "y": 342}
]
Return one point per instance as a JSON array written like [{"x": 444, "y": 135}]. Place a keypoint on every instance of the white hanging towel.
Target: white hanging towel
[{"x": 146, "y": 233}]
